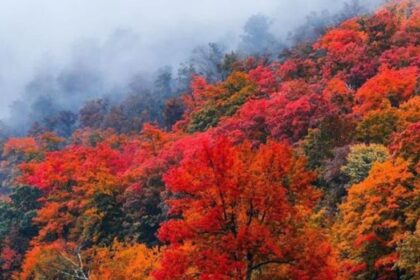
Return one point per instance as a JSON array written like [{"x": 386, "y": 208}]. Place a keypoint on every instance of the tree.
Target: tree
[
  {"x": 400, "y": 57},
  {"x": 333, "y": 179},
  {"x": 58, "y": 260},
  {"x": 63, "y": 123},
  {"x": 316, "y": 24},
  {"x": 375, "y": 217},
  {"x": 248, "y": 124},
  {"x": 132, "y": 113},
  {"x": 387, "y": 88},
  {"x": 80, "y": 186},
  {"x": 409, "y": 252},
  {"x": 360, "y": 160},
  {"x": 377, "y": 126},
  {"x": 93, "y": 113},
  {"x": 292, "y": 120},
  {"x": 207, "y": 61},
  {"x": 346, "y": 54},
  {"x": 239, "y": 211},
  {"x": 184, "y": 76},
  {"x": 14, "y": 152},
  {"x": 124, "y": 262},
  {"x": 229, "y": 64},
  {"x": 24, "y": 147},
  {"x": 163, "y": 83},
  {"x": 257, "y": 38},
  {"x": 214, "y": 102},
  {"x": 265, "y": 80},
  {"x": 173, "y": 111},
  {"x": 407, "y": 144},
  {"x": 333, "y": 131},
  {"x": 340, "y": 95},
  {"x": 16, "y": 227},
  {"x": 143, "y": 207}
]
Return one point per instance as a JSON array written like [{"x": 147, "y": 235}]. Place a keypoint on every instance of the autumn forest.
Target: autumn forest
[{"x": 303, "y": 165}]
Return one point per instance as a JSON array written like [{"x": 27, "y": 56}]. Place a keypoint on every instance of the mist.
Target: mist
[{"x": 58, "y": 54}]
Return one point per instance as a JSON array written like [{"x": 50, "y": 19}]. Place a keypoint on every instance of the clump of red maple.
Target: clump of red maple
[{"x": 301, "y": 169}]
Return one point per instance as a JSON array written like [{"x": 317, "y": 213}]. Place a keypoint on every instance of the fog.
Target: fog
[{"x": 74, "y": 50}]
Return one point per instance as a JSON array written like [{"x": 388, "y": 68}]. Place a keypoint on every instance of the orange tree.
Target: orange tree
[{"x": 375, "y": 217}]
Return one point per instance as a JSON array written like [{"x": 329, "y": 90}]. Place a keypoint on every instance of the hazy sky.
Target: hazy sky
[{"x": 36, "y": 33}]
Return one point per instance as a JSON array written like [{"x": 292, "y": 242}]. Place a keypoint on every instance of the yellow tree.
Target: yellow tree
[{"x": 124, "y": 262}]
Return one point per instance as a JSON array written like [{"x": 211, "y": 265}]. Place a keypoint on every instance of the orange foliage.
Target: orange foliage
[
  {"x": 377, "y": 213},
  {"x": 227, "y": 197},
  {"x": 388, "y": 88},
  {"x": 132, "y": 262},
  {"x": 25, "y": 145}
]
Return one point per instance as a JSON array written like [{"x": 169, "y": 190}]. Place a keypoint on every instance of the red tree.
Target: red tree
[{"x": 239, "y": 213}]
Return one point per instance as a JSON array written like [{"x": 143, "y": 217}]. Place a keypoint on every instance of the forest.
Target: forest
[{"x": 295, "y": 162}]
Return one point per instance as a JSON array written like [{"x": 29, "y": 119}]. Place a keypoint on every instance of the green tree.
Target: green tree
[
  {"x": 377, "y": 126},
  {"x": 16, "y": 227},
  {"x": 360, "y": 160},
  {"x": 409, "y": 251}
]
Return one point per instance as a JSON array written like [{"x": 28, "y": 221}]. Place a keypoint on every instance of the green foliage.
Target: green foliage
[
  {"x": 173, "y": 111},
  {"x": 19, "y": 211},
  {"x": 233, "y": 93},
  {"x": 143, "y": 211},
  {"x": 105, "y": 222},
  {"x": 409, "y": 251},
  {"x": 377, "y": 126},
  {"x": 360, "y": 160},
  {"x": 228, "y": 63},
  {"x": 204, "y": 119},
  {"x": 318, "y": 144},
  {"x": 16, "y": 227}
]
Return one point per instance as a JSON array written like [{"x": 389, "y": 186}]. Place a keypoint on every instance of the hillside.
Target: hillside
[{"x": 302, "y": 167}]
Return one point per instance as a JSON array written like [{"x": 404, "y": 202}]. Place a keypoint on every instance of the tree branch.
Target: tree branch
[{"x": 270, "y": 262}]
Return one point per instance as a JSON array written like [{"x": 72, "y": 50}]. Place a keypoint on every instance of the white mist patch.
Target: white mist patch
[{"x": 99, "y": 45}]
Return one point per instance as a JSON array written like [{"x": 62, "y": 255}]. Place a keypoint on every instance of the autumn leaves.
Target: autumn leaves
[{"x": 305, "y": 168}]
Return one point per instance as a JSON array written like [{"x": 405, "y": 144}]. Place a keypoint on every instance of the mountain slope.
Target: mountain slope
[{"x": 302, "y": 168}]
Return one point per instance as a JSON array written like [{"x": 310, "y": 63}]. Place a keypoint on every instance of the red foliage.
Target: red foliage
[
  {"x": 389, "y": 87},
  {"x": 292, "y": 119},
  {"x": 265, "y": 79},
  {"x": 241, "y": 204},
  {"x": 248, "y": 124},
  {"x": 339, "y": 94},
  {"x": 230, "y": 198},
  {"x": 8, "y": 255}
]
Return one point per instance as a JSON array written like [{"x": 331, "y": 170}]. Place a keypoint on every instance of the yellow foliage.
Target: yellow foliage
[{"x": 121, "y": 262}]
